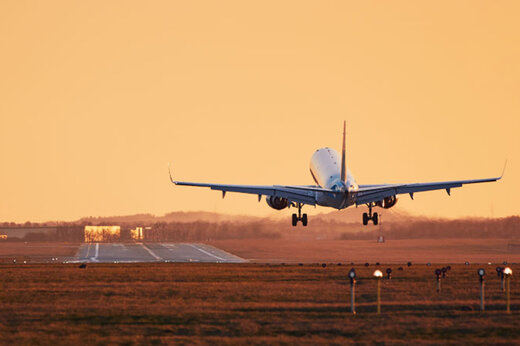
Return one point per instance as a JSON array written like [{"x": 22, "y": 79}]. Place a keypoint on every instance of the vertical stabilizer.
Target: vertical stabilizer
[{"x": 343, "y": 164}]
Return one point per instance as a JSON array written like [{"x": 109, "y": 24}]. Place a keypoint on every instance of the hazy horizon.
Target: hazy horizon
[{"x": 96, "y": 98}]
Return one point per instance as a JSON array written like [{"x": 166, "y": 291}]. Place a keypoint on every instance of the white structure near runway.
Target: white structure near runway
[{"x": 153, "y": 252}]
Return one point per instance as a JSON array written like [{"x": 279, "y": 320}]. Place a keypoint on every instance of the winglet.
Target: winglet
[
  {"x": 503, "y": 170},
  {"x": 343, "y": 164},
  {"x": 170, "y": 172}
]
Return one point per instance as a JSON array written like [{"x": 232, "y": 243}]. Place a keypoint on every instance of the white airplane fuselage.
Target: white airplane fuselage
[{"x": 325, "y": 168}]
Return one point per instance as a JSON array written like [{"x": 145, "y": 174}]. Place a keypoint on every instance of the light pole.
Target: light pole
[
  {"x": 507, "y": 273},
  {"x": 481, "y": 272},
  {"x": 352, "y": 276},
  {"x": 378, "y": 275},
  {"x": 388, "y": 273},
  {"x": 500, "y": 273},
  {"x": 438, "y": 273}
]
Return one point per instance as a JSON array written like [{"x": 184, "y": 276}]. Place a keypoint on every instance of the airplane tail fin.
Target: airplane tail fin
[{"x": 343, "y": 154}]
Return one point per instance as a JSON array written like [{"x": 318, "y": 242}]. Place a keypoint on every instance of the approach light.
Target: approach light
[
  {"x": 507, "y": 273},
  {"x": 388, "y": 273},
  {"x": 352, "y": 273},
  {"x": 481, "y": 272},
  {"x": 438, "y": 273},
  {"x": 378, "y": 275},
  {"x": 352, "y": 276}
]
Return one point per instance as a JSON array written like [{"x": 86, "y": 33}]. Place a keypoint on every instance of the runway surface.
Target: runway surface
[{"x": 153, "y": 252}]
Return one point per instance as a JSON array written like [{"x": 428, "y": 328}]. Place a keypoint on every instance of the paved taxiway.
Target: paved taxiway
[{"x": 153, "y": 252}]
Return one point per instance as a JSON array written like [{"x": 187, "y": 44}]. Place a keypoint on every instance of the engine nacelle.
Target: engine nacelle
[
  {"x": 389, "y": 202},
  {"x": 277, "y": 203}
]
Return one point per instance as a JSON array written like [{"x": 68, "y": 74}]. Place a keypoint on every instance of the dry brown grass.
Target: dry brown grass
[
  {"x": 247, "y": 303},
  {"x": 392, "y": 251},
  {"x": 36, "y": 252}
]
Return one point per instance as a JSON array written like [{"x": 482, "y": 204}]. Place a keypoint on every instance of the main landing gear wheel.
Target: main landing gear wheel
[
  {"x": 294, "y": 219},
  {"x": 303, "y": 218},
  {"x": 370, "y": 217}
]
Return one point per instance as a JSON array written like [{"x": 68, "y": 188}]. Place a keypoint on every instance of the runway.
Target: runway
[{"x": 152, "y": 252}]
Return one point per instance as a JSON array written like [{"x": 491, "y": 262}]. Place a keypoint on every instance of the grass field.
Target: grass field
[
  {"x": 36, "y": 252},
  {"x": 249, "y": 304},
  {"x": 392, "y": 251}
]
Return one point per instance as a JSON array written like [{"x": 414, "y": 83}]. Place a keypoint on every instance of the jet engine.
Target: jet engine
[
  {"x": 389, "y": 202},
  {"x": 277, "y": 203}
]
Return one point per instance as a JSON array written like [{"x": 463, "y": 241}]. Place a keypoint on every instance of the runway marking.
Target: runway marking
[
  {"x": 96, "y": 254},
  {"x": 151, "y": 252},
  {"x": 88, "y": 250},
  {"x": 207, "y": 253}
]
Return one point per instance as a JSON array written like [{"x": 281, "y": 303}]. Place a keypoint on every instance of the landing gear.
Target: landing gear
[
  {"x": 370, "y": 217},
  {"x": 300, "y": 217}
]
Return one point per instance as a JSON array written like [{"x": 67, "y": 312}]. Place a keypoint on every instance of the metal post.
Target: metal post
[
  {"x": 502, "y": 282},
  {"x": 353, "y": 296},
  {"x": 508, "y": 308},
  {"x": 438, "y": 273},
  {"x": 378, "y": 296},
  {"x": 352, "y": 276},
  {"x": 482, "y": 307}
]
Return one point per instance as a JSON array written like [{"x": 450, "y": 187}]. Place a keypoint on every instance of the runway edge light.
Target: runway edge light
[
  {"x": 352, "y": 276},
  {"x": 378, "y": 275},
  {"x": 481, "y": 273},
  {"x": 508, "y": 272}
]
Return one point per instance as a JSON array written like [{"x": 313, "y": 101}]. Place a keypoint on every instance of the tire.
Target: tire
[
  {"x": 365, "y": 219},
  {"x": 294, "y": 219},
  {"x": 304, "y": 220},
  {"x": 375, "y": 219}
]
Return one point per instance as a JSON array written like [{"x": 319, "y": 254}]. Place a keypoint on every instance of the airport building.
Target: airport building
[
  {"x": 109, "y": 234},
  {"x": 74, "y": 233},
  {"x": 98, "y": 234}
]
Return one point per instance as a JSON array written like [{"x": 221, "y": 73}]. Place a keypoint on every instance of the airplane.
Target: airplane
[{"x": 335, "y": 187}]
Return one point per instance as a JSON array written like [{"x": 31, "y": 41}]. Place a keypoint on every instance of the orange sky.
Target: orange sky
[{"x": 97, "y": 97}]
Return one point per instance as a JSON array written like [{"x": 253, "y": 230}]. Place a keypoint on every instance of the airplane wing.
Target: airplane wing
[
  {"x": 374, "y": 193},
  {"x": 298, "y": 194}
]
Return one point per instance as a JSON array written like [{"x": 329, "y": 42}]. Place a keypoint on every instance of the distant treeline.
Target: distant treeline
[
  {"x": 201, "y": 231},
  {"x": 319, "y": 228}
]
